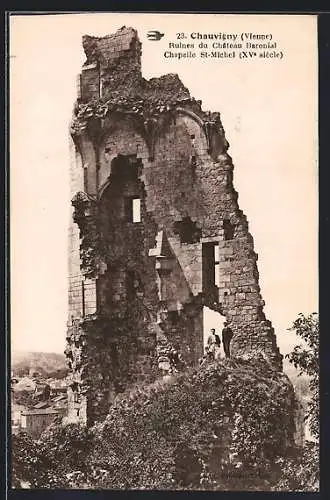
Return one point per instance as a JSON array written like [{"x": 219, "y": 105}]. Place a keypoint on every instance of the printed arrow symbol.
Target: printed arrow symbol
[{"x": 154, "y": 35}]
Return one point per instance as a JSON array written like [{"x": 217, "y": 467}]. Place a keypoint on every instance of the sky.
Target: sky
[{"x": 269, "y": 112}]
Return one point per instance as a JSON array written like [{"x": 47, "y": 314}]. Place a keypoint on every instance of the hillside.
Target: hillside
[{"x": 47, "y": 363}]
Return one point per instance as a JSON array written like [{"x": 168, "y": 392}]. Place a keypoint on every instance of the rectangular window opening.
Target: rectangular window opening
[
  {"x": 216, "y": 265},
  {"x": 217, "y": 274},
  {"x": 136, "y": 209},
  {"x": 229, "y": 230},
  {"x": 216, "y": 254},
  {"x": 211, "y": 267},
  {"x": 133, "y": 209}
]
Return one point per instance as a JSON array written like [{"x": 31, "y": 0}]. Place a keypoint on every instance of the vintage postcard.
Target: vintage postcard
[{"x": 164, "y": 271}]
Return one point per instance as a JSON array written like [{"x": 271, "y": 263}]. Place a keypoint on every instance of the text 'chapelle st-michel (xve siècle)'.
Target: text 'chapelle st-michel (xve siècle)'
[{"x": 244, "y": 45}]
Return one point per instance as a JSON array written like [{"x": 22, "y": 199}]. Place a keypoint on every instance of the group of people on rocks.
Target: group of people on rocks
[{"x": 213, "y": 346}]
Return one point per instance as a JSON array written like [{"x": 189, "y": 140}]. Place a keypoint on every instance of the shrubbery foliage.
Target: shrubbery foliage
[{"x": 222, "y": 426}]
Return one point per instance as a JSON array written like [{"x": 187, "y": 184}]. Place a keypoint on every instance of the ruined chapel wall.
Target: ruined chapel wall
[
  {"x": 183, "y": 180},
  {"x": 173, "y": 287},
  {"x": 239, "y": 291},
  {"x": 187, "y": 333},
  {"x": 174, "y": 191},
  {"x": 76, "y": 411},
  {"x": 170, "y": 187},
  {"x": 185, "y": 183},
  {"x": 121, "y": 350},
  {"x": 170, "y": 179},
  {"x": 75, "y": 275},
  {"x": 120, "y": 138}
]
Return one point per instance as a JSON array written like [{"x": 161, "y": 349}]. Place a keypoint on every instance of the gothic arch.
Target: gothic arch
[{"x": 192, "y": 115}]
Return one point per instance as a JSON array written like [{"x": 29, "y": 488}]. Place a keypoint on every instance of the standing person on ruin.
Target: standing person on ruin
[
  {"x": 213, "y": 344},
  {"x": 227, "y": 335}
]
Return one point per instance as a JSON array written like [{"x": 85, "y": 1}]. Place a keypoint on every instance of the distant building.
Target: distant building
[
  {"x": 57, "y": 386},
  {"x": 35, "y": 421},
  {"x": 59, "y": 390},
  {"x": 25, "y": 384},
  {"x": 60, "y": 403}
]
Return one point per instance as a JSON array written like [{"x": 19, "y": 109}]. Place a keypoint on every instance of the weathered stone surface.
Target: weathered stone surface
[{"x": 137, "y": 288}]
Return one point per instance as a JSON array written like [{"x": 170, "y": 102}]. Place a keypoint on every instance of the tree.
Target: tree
[
  {"x": 24, "y": 460},
  {"x": 301, "y": 471},
  {"x": 305, "y": 357}
]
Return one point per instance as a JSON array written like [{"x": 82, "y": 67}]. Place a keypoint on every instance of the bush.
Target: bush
[
  {"x": 301, "y": 471},
  {"x": 224, "y": 426},
  {"x": 305, "y": 358},
  {"x": 25, "y": 461}
]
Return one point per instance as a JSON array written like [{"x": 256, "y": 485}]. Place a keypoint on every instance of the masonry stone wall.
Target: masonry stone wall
[
  {"x": 75, "y": 275},
  {"x": 138, "y": 288}
]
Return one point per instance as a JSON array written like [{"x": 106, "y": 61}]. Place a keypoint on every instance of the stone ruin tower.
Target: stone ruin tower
[{"x": 156, "y": 231}]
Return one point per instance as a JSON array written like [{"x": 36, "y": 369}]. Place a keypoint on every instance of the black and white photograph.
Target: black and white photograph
[{"x": 164, "y": 252}]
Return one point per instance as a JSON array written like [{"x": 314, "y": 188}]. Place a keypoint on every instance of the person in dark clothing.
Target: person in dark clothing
[{"x": 227, "y": 335}]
